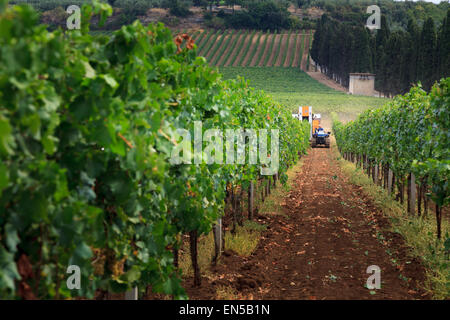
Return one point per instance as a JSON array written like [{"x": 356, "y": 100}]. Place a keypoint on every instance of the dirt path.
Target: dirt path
[
  {"x": 275, "y": 48},
  {"x": 226, "y": 54},
  {"x": 322, "y": 78},
  {"x": 290, "y": 52},
  {"x": 296, "y": 62},
  {"x": 212, "y": 59},
  {"x": 206, "y": 45},
  {"x": 255, "y": 41},
  {"x": 321, "y": 247},
  {"x": 266, "y": 50},
  {"x": 198, "y": 35},
  {"x": 245, "y": 39},
  {"x": 254, "y": 58},
  {"x": 305, "y": 53},
  {"x": 283, "y": 44}
]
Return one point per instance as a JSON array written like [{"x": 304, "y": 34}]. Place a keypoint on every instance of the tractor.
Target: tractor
[{"x": 320, "y": 137}]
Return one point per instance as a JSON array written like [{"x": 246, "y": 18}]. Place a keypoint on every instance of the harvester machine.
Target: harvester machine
[{"x": 317, "y": 136}]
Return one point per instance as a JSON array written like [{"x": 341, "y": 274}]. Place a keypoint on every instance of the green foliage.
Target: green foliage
[
  {"x": 399, "y": 59},
  {"x": 262, "y": 15},
  {"x": 179, "y": 8},
  {"x": 87, "y": 127},
  {"x": 411, "y": 134}
]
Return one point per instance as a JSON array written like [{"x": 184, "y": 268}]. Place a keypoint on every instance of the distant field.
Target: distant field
[
  {"x": 293, "y": 87},
  {"x": 247, "y": 48}
]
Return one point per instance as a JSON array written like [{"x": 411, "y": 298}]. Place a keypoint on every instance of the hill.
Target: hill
[{"x": 248, "y": 48}]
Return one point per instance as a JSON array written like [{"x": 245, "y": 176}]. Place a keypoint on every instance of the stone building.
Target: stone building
[{"x": 362, "y": 84}]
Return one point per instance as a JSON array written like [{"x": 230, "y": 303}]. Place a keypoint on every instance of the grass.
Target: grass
[
  {"x": 226, "y": 293},
  {"x": 244, "y": 241},
  {"x": 255, "y": 47},
  {"x": 419, "y": 233},
  {"x": 293, "y": 88},
  {"x": 205, "y": 255}
]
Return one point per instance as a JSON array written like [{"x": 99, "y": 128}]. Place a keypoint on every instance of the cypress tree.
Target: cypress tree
[
  {"x": 393, "y": 64},
  {"x": 324, "y": 50},
  {"x": 427, "y": 54},
  {"x": 414, "y": 49},
  {"x": 444, "y": 48},
  {"x": 362, "y": 61},
  {"x": 381, "y": 39}
]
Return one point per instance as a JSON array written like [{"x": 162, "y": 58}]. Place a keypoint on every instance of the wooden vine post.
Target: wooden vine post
[
  {"x": 132, "y": 294},
  {"x": 193, "y": 241},
  {"x": 251, "y": 200},
  {"x": 218, "y": 241},
  {"x": 390, "y": 181}
]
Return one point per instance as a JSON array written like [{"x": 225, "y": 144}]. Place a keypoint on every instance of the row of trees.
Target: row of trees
[{"x": 399, "y": 58}]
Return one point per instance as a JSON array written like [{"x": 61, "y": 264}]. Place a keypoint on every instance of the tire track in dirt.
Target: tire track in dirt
[
  {"x": 225, "y": 56},
  {"x": 197, "y": 35},
  {"x": 298, "y": 49},
  {"x": 261, "y": 47},
  {"x": 213, "y": 39},
  {"x": 240, "y": 53},
  {"x": 283, "y": 44},
  {"x": 290, "y": 50},
  {"x": 222, "y": 44},
  {"x": 201, "y": 39},
  {"x": 243, "y": 38},
  {"x": 266, "y": 50},
  {"x": 321, "y": 247},
  {"x": 274, "y": 50},
  {"x": 305, "y": 53},
  {"x": 256, "y": 41},
  {"x": 232, "y": 54}
]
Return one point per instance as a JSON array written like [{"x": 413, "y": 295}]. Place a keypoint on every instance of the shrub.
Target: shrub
[
  {"x": 267, "y": 15},
  {"x": 207, "y": 16},
  {"x": 179, "y": 8},
  {"x": 216, "y": 23}
]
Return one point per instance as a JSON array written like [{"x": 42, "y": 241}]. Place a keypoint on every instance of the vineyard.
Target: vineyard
[
  {"x": 88, "y": 127},
  {"x": 246, "y": 48},
  {"x": 405, "y": 143},
  {"x": 114, "y": 162}
]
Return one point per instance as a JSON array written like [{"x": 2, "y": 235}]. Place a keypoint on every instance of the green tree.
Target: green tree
[
  {"x": 427, "y": 56},
  {"x": 413, "y": 53},
  {"x": 444, "y": 48},
  {"x": 362, "y": 57}
]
